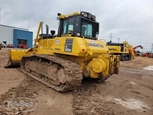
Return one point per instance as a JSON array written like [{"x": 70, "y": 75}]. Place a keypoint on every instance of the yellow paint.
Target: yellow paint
[
  {"x": 117, "y": 49},
  {"x": 68, "y": 15},
  {"x": 91, "y": 55},
  {"x": 129, "y": 48}
]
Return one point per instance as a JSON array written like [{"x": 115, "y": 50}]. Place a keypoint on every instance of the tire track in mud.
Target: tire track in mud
[
  {"x": 138, "y": 76},
  {"x": 98, "y": 99},
  {"x": 26, "y": 89},
  {"x": 88, "y": 101}
]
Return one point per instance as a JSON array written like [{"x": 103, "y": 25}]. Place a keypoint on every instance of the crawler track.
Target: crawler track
[{"x": 55, "y": 72}]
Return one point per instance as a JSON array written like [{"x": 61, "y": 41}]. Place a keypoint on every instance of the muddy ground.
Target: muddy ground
[{"x": 128, "y": 93}]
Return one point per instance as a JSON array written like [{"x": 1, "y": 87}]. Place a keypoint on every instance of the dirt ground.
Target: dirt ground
[{"x": 128, "y": 93}]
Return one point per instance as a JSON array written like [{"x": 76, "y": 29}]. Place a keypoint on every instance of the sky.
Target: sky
[{"x": 130, "y": 20}]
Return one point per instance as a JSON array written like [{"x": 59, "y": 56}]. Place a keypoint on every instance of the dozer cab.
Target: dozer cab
[{"x": 61, "y": 61}]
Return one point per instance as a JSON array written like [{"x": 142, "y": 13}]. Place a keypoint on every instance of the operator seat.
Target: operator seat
[{"x": 83, "y": 30}]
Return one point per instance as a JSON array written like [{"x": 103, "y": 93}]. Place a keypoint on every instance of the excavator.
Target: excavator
[
  {"x": 137, "y": 53},
  {"x": 124, "y": 49},
  {"x": 131, "y": 49},
  {"x": 61, "y": 61}
]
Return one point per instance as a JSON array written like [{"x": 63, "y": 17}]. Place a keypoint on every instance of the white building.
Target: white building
[{"x": 14, "y": 35}]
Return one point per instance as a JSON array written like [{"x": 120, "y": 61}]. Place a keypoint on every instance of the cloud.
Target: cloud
[{"x": 130, "y": 20}]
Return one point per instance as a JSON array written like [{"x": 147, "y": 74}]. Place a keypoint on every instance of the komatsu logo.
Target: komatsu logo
[
  {"x": 95, "y": 45},
  {"x": 112, "y": 49}
]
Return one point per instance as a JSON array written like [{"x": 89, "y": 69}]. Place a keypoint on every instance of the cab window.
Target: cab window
[
  {"x": 89, "y": 29},
  {"x": 68, "y": 26}
]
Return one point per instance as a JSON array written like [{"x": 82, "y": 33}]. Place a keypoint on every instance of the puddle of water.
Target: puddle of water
[
  {"x": 132, "y": 104},
  {"x": 150, "y": 67}
]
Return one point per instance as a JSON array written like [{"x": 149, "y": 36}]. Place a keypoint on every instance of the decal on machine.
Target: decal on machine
[
  {"x": 95, "y": 45},
  {"x": 112, "y": 49},
  {"x": 68, "y": 48},
  {"x": 68, "y": 45},
  {"x": 57, "y": 41},
  {"x": 57, "y": 48}
]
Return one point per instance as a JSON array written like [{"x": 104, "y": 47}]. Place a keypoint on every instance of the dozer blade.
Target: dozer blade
[
  {"x": 11, "y": 64},
  {"x": 14, "y": 57}
]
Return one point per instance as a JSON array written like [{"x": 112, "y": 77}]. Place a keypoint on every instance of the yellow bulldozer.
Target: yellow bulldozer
[
  {"x": 62, "y": 60},
  {"x": 124, "y": 49}
]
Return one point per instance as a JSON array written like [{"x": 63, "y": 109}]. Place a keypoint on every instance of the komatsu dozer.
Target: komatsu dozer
[{"x": 62, "y": 60}]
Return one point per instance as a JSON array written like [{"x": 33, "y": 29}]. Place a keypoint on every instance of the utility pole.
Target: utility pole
[
  {"x": 118, "y": 39},
  {"x": 152, "y": 48},
  {"x": 0, "y": 15},
  {"x": 111, "y": 37}
]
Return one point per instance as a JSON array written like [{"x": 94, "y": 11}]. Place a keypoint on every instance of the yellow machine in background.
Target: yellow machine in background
[
  {"x": 129, "y": 48},
  {"x": 61, "y": 61},
  {"x": 125, "y": 50}
]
